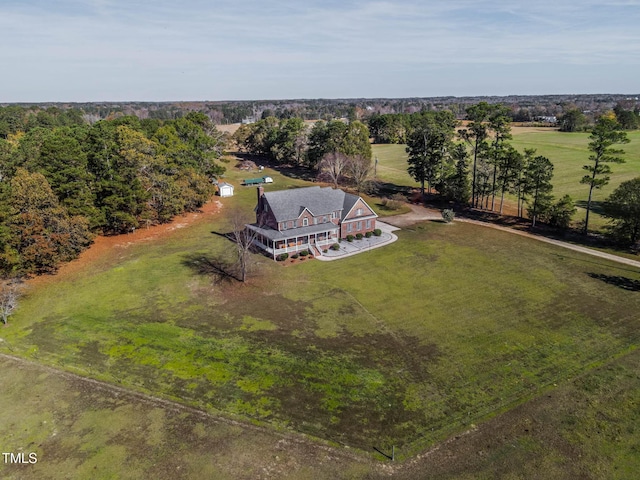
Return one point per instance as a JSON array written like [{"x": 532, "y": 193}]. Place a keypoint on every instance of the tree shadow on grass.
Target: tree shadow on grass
[
  {"x": 596, "y": 206},
  {"x": 619, "y": 281},
  {"x": 220, "y": 268}
]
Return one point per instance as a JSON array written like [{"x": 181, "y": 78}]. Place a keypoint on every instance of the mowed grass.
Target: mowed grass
[
  {"x": 567, "y": 151},
  {"x": 399, "y": 346},
  {"x": 392, "y": 164}
]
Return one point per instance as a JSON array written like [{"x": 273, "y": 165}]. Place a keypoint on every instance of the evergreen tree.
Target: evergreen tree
[{"x": 604, "y": 135}]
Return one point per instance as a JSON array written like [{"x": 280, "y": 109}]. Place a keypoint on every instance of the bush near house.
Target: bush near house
[
  {"x": 377, "y": 232},
  {"x": 359, "y": 236},
  {"x": 335, "y": 247},
  {"x": 304, "y": 253},
  {"x": 368, "y": 234},
  {"x": 448, "y": 215},
  {"x": 350, "y": 238},
  {"x": 282, "y": 257}
]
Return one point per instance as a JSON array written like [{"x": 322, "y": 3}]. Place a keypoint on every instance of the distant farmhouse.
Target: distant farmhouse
[{"x": 309, "y": 218}]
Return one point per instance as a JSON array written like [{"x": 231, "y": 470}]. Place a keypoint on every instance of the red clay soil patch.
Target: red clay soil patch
[{"x": 104, "y": 245}]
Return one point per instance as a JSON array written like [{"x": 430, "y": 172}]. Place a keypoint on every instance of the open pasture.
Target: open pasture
[
  {"x": 401, "y": 346},
  {"x": 567, "y": 151}
]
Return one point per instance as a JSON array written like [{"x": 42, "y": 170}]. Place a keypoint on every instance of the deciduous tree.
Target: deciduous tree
[{"x": 10, "y": 291}]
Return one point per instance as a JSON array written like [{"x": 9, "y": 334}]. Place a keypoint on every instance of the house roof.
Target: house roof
[
  {"x": 289, "y": 204},
  {"x": 225, "y": 184}
]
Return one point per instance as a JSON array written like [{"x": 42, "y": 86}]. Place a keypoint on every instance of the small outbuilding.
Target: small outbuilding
[{"x": 225, "y": 189}]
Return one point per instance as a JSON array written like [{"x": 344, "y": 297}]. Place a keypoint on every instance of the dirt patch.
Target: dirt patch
[
  {"x": 230, "y": 128},
  {"x": 104, "y": 245}
]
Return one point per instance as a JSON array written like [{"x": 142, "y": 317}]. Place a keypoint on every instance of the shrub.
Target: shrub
[
  {"x": 304, "y": 253},
  {"x": 359, "y": 236},
  {"x": 377, "y": 232},
  {"x": 394, "y": 202},
  {"x": 561, "y": 212},
  {"x": 282, "y": 257},
  {"x": 325, "y": 250},
  {"x": 335, "y": 247},
  {"x": 448, "y": 215},
  {"x": 368, "y": 234},
  {"x": 295, "y": 255},
  {"x": 350, "y": 238}
]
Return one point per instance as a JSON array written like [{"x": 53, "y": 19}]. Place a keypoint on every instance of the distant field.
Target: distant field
[
  {"x": 401, "y": 346},
  {"x": 392, "y": 164},
  {"x": 567, "y": 151}
]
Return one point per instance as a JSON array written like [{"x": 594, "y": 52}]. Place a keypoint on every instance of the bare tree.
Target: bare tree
[
  {"x": 10, "y": 291},
  {"x": 333, "y": 165},
  {"x": 243, "y": 238},
  {"x": 359, "y": 168}
]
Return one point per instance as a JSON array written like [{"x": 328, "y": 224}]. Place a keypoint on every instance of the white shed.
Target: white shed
[{"x": 225, "y": 189}]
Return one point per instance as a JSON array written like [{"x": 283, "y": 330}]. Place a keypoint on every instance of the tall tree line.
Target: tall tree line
[{"x": 60, "y": 185}]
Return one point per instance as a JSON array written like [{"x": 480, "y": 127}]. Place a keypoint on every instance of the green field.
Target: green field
[
  {"x": 567, "y": 151},
  {"x": 587, "y": 428},
  {"x": 392, "y": 164},
  {"x": 402, "y": 346}
]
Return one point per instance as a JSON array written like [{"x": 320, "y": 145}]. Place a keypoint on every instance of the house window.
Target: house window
[
  {"x": 358, "y": 212},
  {"x": 349, "y": 225},
  {"x": 333, "y": 215},
  {"x": 283, "y": 226},
  {"x": 305, "y": 222},
  {"x": 315, "y": 220},
  {"x": 368, "y": 224},
  {"x": 359, "y": 226}
]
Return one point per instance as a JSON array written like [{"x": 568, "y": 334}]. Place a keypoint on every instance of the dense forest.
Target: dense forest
[
  {"x": 63, "y": 180},
  {"x": 521, "y": 108}
]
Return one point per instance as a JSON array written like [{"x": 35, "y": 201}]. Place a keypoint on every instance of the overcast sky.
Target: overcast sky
[{"x": 101, "y": 50}]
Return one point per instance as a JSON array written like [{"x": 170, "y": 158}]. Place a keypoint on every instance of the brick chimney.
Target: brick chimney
[{"x": 259, "y": 206}]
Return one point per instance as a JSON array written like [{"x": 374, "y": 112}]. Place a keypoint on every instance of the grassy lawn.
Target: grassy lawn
[
  {"x": 392, "y": 164},
  {"x": 400, "y": 346},
  {"x": 79, "y": 430},
  {"x": 587, "y": 428},
  {"x": 567, "y": 151}
]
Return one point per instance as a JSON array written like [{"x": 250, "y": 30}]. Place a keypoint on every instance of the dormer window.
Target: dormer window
[{"x": 305, "y": 222}]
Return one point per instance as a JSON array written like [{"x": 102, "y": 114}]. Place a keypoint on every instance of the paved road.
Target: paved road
[{"x": 419, "y": 213}]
